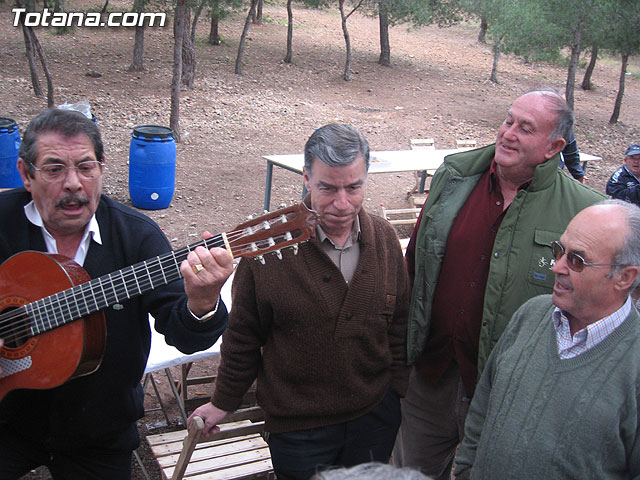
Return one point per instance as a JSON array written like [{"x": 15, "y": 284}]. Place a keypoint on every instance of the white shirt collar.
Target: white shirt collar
[{"x": 92, "y": 231}]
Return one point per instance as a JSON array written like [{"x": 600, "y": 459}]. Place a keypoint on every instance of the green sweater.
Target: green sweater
[{"x": 534, "y": 416}]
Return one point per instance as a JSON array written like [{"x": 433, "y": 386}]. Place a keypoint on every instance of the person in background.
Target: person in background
[
  {"x": 564, "y": 378},
  {"x": 479, "y": 250},
  {"x": 323, "y": 331},
  {"x": 86, "y": 428},
  {"x": 571, "y": 159},
  {"x": 624, "y": 183}
]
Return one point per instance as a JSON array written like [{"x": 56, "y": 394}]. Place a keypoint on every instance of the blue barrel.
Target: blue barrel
[
  {"x": 152, "y": 167},
  {"x": 9, "y": 146}
]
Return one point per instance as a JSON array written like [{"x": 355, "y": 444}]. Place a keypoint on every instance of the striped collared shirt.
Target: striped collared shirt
[{"x": 589, "y": 337}]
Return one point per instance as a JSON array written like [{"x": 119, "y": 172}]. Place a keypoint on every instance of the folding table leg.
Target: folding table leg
[{"x": 176, "y": 395}]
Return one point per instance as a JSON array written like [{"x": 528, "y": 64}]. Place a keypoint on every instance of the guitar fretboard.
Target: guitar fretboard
[{"x": 76, "y": 302}]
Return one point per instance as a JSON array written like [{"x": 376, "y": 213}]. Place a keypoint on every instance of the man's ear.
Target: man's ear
[
  {"x": 307, "y": 179},
  {"x": 555, "y": 146},
  {"x": 626, "y": 277},
  {"x": 24, "y": 173}
]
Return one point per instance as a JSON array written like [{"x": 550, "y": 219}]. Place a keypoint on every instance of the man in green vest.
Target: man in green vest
[{"x": 480, "y": 250}]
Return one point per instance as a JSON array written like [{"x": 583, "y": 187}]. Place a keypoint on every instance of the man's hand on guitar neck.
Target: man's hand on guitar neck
[{"x": 204, "y": 272}]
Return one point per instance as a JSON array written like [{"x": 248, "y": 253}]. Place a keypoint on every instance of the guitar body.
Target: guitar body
[{"x": 53, "y": 357}]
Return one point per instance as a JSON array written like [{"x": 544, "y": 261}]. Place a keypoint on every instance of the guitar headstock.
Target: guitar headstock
[{"x": 273, "y": 231}]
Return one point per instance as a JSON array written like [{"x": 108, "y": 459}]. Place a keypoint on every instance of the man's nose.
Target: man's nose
[
  {"x": 341, "y": 200},
  {"x": 72, "y": 179},
  {"x": 560, "y": 266}
]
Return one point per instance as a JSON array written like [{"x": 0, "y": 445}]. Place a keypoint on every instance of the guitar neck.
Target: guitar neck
[{"x": 110, "y": 289}]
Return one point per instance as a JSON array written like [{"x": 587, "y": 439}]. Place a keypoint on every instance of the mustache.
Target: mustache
[{"x": 73, "y": 198}]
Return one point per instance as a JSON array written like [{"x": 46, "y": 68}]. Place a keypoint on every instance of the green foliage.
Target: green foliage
[{"x": 418, "y": 13}]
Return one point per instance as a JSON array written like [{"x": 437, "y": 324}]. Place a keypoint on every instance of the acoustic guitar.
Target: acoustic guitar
[{"x": 51, "y": 315}]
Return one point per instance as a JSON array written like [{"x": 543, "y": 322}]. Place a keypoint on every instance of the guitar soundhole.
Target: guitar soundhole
[{"x": 15, "y": 328}]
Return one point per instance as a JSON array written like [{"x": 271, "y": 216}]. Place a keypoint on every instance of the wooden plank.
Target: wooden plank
[
  {"x": 204, "y": 450},
  {"x": 262, "y": 467},
  {"x": 242, "y": 461}
]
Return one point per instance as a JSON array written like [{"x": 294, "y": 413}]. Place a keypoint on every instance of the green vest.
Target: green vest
[{"x": 521, "y": 258}]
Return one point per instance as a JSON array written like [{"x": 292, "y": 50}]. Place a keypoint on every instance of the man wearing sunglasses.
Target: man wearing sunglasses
[
  {"x": 86, "y": 428},
  {"x": 480, "y": 250},
  {"x": 560, "y": 395}
]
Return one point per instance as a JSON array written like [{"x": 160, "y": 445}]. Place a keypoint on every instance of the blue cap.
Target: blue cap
[{"x": 633, "y": 150}]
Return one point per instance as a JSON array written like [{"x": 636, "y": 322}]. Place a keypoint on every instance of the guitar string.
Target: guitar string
[
  {"x": 232, "y": 235},
  {"x": 55, "y": 308},
  {"x": 122, "y": 291}
]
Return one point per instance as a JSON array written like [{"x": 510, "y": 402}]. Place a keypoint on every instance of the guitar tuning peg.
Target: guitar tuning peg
[
  {"x": 295, "y": 249},
  {"x": 260, "y": 258},
  {"x": 278, "y": 254}
]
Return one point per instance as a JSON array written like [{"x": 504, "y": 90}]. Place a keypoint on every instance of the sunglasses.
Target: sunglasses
[{"x": 575, "y": 261}]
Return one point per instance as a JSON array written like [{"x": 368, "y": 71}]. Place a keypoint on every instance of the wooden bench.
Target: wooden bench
[{"x": 238, "y": 451}]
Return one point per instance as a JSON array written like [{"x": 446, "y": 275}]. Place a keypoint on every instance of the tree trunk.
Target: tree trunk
[
  {"x": 618, "y": 104},
  {"x": 496, "y": 57},
  {"x": 385, "y": 49},
  {"x": 45, "y": 68},
  {"x": 137, "y": 65},
  {"x": 214, "y": 37},
  {"x": 259, "y": 12},
  {"x": 482, "y": 34},
  {"x": 573, "y": 65},
  {"x": 586, "y": 81},
  {"x": 188, "y": 53},
  {"x": 33, "y": 69},
  {"x": 256, "y": 17},
  {"x": 289, "y": 55},
  {"x": 243, "y": 37},
  {"x": 178, "y": 36},
  {"x": 196, "y": 16},
  {"x": 347, "y": 43}
]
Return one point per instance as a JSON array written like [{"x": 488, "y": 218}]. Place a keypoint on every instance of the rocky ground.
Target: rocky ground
[{"x": 437, "y": 87}]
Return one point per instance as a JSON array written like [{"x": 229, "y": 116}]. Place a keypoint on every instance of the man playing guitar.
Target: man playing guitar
[{"x": 86, "y": 427}]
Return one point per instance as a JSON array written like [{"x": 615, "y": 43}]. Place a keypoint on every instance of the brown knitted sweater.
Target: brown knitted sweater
[{"x": 323, "y": 352}]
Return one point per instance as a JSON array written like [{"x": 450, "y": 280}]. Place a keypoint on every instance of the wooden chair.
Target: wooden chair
[
  {"x": 400, "y": 216},
  {"x": 421, "y": 176},
  {"x": 466, "y": 143},
  {"x": 422, "y": 143},
  {"x": 238, "y": 451}
]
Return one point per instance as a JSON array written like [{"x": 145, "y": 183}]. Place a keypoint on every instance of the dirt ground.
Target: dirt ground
[{"x": 437, "y": 87}]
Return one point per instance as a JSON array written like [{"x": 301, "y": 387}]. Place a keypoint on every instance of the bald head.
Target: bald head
[
  {"x": 606, "y": 236},
  {"x": 555, "y": 102}
]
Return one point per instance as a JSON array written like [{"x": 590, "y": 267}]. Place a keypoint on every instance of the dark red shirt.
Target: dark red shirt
[{"x": 456, "y": 313}]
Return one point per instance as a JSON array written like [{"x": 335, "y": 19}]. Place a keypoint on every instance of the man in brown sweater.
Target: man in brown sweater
[{"x": 323, "y": 331}]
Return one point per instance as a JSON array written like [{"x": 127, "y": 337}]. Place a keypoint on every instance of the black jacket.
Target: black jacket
[
  {"x": 99, "y": 411},
  {"x": 623, "y": 185}
]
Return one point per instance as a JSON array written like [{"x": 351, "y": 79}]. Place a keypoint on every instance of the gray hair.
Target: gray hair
[
  {"x": 565, "y": 119},
  {"x": 371, "y": 470},
  {"x": 629, "y": 253},
  {"x": 335, "y": 145},
  {"x": 67, "y": 123}
]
